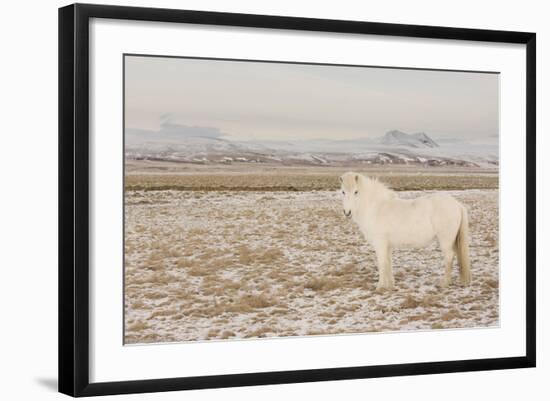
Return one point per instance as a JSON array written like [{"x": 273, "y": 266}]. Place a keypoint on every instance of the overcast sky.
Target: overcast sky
[{"x": 267, "y": 101}]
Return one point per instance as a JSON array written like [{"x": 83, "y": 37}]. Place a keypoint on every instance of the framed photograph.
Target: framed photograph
[{"x": 251, "y": 199}]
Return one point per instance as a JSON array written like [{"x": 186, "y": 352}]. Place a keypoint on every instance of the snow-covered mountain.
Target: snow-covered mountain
[
  {"x": 398, "y": 138},
  {"x": 208, "y": 146},
  {"x": 194, "y": 149}
]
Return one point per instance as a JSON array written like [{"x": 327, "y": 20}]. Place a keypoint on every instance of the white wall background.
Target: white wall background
[{"x": 28, "y": 199}]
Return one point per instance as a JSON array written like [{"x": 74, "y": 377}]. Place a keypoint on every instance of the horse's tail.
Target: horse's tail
[{"x": 462, "y": 248}]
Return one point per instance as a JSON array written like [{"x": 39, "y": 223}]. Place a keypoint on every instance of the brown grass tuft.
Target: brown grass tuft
[
  {"x": 261, "y": 332},
  {"x": 227, "y": 334},
  {"x": 244, "y": 255},
  {"x": 323, "y": 284},
  {"x": 410, "y": 303},
  {"x": 270, "y": 256},
  {"x": 450, "y": 315},
  {"x": 491, "y": 283},
  {"x": 138, "y": 326},
  {"x": 256, "y": 301},
  {"x": 163, "y": 312}
]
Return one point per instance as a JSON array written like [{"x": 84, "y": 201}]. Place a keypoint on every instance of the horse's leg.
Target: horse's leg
[
  {"x": 448, "y": 255},
  {"x": 385, "y": 276},
  {"x": 389, "y": 268}
]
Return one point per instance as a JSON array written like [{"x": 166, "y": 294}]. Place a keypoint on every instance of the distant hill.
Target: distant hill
[
  {"x": 398, "y": 138},
  {"x": 208, "y": 146}
]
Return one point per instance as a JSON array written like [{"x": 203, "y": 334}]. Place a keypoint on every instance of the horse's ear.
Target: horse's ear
[
  {"x": 356, "y": 178},
  {"x": 341, "y": 179}
]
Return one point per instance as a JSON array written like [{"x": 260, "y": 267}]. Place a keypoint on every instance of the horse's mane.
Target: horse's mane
[{"x": 378, "y": 187}]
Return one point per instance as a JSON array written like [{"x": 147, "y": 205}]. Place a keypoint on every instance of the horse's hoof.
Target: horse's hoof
[
  {"x": 444, "y": 283},
  {"x": 465, "y": 283},
  {"x": 383, "y": 288}
]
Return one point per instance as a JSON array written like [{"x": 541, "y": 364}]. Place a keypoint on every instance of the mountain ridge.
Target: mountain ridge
[{"x": 395, "y": 147}]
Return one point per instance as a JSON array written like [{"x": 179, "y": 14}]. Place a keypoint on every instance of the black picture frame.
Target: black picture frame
[{"x": 74, "y": 198}]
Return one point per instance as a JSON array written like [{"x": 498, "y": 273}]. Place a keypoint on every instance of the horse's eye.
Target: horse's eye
[
  {"x": 343, "y": 193},
  {"x": 356, "y": 192}
]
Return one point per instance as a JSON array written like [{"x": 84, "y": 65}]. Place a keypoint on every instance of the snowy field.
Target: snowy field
[{"x": 205, "y": 265}]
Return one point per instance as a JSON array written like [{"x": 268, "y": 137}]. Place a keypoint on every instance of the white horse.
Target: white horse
[{"x": 389, "y": 222}]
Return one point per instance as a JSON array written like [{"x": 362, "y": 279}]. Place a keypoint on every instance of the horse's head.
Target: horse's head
[{"x": 350, "y": 187}]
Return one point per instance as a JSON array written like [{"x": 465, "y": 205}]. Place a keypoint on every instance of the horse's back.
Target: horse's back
[
  {"x": 442, "y": 202},
  {"x": 407, "y": 222},
  {"x": 415, "y": 222},
  {"x": 446, "y": 215}
]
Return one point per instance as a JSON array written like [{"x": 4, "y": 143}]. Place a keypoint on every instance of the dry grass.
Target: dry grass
[
  {"x": 427, "y": 301},
  {"x": 299, "y": 179},
  {"x": 260, "y": 332},
  {"x": 450, "y": 315},
  {"x": 138, "y": 326},
  {"x": 296, "y": 182},
  {"x": 323, "y": 284},
  {"x": 241, "y": 264},
  {"x": 247, "y": 302}
]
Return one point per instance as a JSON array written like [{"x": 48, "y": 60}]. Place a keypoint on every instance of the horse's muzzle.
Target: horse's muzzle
[{"x": 347, "y": 214}]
